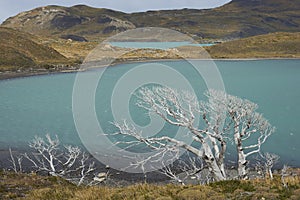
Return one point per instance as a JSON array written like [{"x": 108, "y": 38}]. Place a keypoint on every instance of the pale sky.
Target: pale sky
[{"x": 10, "y": 8}]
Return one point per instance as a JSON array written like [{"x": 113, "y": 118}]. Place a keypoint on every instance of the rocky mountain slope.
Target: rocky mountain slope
[
  {"x": 238, "y": 19},
  {"x": 74, "y": 23}
]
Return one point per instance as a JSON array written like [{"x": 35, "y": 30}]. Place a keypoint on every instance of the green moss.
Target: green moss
[{"x": 285, "y": 193}]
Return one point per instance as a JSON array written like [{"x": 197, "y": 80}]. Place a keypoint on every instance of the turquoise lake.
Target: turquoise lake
[{"x": 43, "y": 104}]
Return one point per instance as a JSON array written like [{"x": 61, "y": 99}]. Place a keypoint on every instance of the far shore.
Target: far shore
[
  {"x": 22, "y": 74},
  {"x": 37, "y": 72}
]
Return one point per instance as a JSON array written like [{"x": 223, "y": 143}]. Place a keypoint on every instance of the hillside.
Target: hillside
[
  {"x": 237, "y": 19},
  {"x": 272, "y": 45},
  {"x": 74, "y": 23},
  {"x": 52, "y": 38},
  {"x": 21, "y": 50},
  {"x": 286, "y": 45}
]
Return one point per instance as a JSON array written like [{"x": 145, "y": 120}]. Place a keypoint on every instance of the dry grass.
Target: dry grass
[
  {"x": 21, "y": 50},
  {"x": 278, "y": 45},
  {"x": 275, "y": 45},
  {"x": 32, "y": 187},
  {"x": 72, "y": 49}
]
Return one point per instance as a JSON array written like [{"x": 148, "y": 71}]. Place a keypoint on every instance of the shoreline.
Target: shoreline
[
  {"x": 125, "y": 178},
  {"x": 40, "y": 72},
  {"x": 14, "y": 75}
]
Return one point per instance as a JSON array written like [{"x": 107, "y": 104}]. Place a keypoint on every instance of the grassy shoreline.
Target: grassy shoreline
[{"x": 37, "y": 72}]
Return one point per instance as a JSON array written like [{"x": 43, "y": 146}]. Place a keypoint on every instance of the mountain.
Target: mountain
[
  {"x": 55, "y": 37},
  {"x": 20, "y": 50},
  {"x": 237, "y": 19},
  {"x": 76, "y": 22}
]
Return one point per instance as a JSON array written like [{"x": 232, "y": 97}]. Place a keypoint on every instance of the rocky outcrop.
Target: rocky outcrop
[
  {"x": 74, "y": 38},
  {"x": 114, "y": 24},
  {"x": 39, "y": 18}
]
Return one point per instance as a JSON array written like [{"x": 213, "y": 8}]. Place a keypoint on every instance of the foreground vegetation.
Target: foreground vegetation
[{"x": 32, "y": 186}]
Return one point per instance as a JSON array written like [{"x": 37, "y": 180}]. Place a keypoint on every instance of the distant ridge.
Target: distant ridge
[{"x": 237, "y": 19}]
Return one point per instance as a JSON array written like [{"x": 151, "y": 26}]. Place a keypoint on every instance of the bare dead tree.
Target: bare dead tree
[
  {"x": 184, "y": 169},
  {"x": 182, "y": 109},
  {"x": 247, "y": 125},
  {"x": 16, "y": 162},
  {"x": 270, "y": 160},
  {"x": 68, "y": 162},
  {"x": 260, "y": 166},
  {"x": 223, "y": 118},
  {"x": 284, "y": 174},
  {"x": 265, "y": 163}
]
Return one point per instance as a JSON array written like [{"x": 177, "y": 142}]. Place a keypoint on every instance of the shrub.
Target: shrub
[{"x": 230, "y": 186}]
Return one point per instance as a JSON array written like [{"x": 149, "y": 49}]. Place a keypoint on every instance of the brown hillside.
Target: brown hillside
[
  {"x": 19, "y": 50},
  {"x": 237, "y": 19},
  {"x": 272, "y": 45}
]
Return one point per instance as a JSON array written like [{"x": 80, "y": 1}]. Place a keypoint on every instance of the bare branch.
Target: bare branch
[
  {"x": 69, "y": 162},
  {"x": 16, "y": 162}
]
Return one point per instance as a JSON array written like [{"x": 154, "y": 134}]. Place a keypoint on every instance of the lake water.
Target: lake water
[
  {"x": 43, "y": 104},
  {"x": 156, "y": 45}
]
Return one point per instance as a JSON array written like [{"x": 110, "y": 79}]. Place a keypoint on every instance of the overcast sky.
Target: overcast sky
[{"x": 10, "y": 8}]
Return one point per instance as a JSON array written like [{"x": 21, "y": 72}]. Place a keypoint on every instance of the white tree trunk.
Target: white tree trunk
[
  {"x": 270, "y": 173},
  {"x": 242, "y": 162},
  {"x": 217, "y": 172},
  {"x": 242, "y": 172}
]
